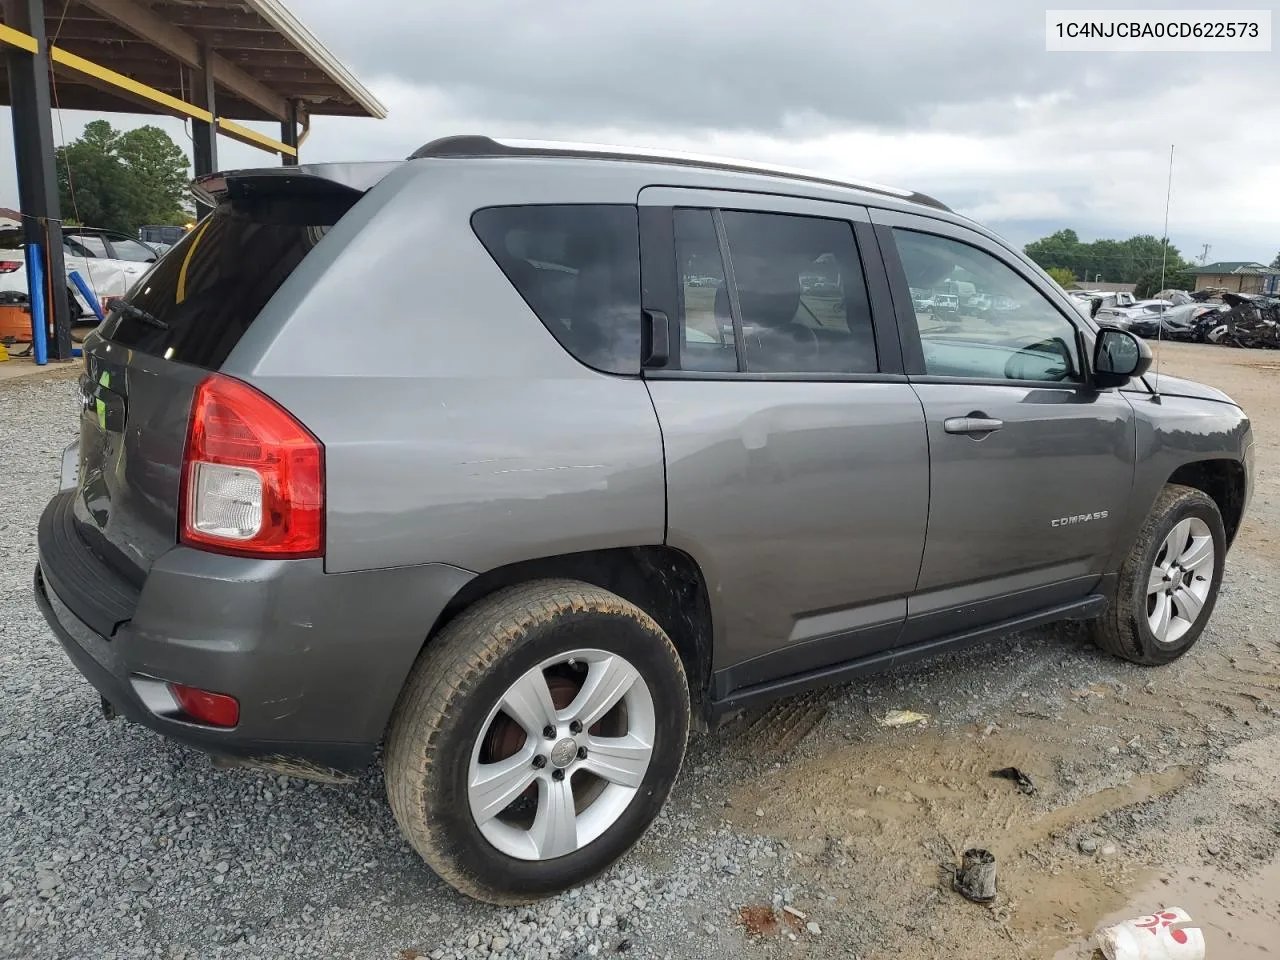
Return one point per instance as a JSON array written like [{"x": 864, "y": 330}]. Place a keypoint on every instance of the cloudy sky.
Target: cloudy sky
[{"x": 959, "y": 100}]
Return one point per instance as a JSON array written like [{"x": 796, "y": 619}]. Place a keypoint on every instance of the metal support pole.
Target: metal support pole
[
  {"x": 39, "y": 320},
  {"x": 37, "y": 175},
  {"x": 204, "y": 136},
  {"x": 289, "y": 134}
]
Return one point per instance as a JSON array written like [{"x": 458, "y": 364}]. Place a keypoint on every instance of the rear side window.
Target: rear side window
[
  {"x": 794, "y": 294},
  {"x": 90, "y": 246},
  {"x": 126, "y": 249},
  {"x": 801, "y": 292},
  {"x": 578, "y": 268},
  {"x": 212, "y": 286}
]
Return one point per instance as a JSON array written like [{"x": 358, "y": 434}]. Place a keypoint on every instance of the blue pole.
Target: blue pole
[
  {"x": 35, "y": 286},
  {"x": 88, "y": 294}
]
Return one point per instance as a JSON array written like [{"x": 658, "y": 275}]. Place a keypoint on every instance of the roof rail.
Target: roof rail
[{"x": 482, "y": 146}]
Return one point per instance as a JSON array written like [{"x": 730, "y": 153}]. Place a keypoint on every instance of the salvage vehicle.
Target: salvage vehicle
[
  {"x": 1123, "y": 317},
  {"x": 562, "y": 521},
  {"x": 1171, "y": 323},
  {"x": 1250, "y": 321},
  {"x": 108, "y": 262}
]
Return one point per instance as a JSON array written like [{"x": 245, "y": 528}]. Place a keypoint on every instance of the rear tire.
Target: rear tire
[
  {"x": 509, "y": 813},
  {"x": 1169, "y": 582}
]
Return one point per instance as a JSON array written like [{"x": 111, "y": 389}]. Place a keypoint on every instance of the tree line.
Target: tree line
[
  {"x": 1136, "y": 260},
  {"x": 121, "y": 180}
]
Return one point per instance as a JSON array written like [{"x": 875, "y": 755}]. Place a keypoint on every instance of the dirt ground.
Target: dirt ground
[{"x": 1154, "y": 787}]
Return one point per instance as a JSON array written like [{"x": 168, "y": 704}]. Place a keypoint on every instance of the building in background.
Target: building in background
[{"x": 1238, "y": 276}]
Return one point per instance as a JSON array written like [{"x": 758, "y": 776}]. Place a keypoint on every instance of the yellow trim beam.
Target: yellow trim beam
[
  {"x": 253, "y": 138},
  {"x": 131, "y": 89},
  {"x": 16, "y": 38},
  {"x": 129, "y": 86}
]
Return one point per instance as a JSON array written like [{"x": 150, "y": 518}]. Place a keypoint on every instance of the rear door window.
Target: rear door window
[
  {"x": 126, "y": 249},
  {"x": 578, "y": 268},
  {"x": 93, "y": 244},
  {"x": 801, "y": 293},
  {"x": 795, "y": 284},
  {"x": 202, "y": 298},
  {"x": 707, "y": 323}
]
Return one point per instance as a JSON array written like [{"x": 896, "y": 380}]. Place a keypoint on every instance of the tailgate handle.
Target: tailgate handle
[
  {"x": 656, "y": 339},
  {"x": 971, "y": 424}
]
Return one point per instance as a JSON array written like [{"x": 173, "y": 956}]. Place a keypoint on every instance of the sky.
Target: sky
[{"x": 957, "y": 100}]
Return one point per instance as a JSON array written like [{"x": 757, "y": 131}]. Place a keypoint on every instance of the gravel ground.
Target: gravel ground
[{"x": 117, "y": 843}]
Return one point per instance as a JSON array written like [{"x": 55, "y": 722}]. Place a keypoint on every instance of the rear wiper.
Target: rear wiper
[{"x": 129, "y": 310}]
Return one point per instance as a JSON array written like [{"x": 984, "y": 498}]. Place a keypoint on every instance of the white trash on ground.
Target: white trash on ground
[
  {"x": 1161, "y": 936},
  {"x": 903, "y": 718}
]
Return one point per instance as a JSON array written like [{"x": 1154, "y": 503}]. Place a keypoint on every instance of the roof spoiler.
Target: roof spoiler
[
  {"x": 471, "y": 145},
  {"x": 312, "y": 181}
]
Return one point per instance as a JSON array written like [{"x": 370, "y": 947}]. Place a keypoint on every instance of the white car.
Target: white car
[
  {"x": 946, "y": 303},
  {"x": 109, "y": 263},
  {"x": 1123, "y": 317}
]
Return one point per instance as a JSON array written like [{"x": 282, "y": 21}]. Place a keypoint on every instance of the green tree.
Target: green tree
[
  {"x": 1180, "y": 278},
  {"x": 159, "y": 165},
  {"x": 1061, "y": 249},
  {"x": 122, "y": 180},
  {"x": 1063, "y": 276},
  {"x": 1119, "y": 261},
  {"x": 1276, "y": 262}
]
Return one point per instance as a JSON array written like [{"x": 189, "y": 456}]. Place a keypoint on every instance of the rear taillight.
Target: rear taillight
[
  {"x": 252, "y": 476},
  {"x": 205, "y": 706},
  {"x": 8, "y": 266}
]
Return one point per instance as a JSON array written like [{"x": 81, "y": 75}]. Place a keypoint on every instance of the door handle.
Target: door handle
[
  {"x": 971, "y": 424},
  {"x": 655, "y": 339}
]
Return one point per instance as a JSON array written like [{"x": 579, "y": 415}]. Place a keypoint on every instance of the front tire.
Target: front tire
[
  {"x": 1169, "y": 582},
  {"x": 536, "y": 739}
]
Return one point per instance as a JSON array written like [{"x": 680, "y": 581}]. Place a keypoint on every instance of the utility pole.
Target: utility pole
[{"x": 1204, "y": 255}]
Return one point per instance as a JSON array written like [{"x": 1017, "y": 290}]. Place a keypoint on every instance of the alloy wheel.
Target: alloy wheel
[
  {"x": 1180, "y": 580},
  {"x": 561, "y": 754}
]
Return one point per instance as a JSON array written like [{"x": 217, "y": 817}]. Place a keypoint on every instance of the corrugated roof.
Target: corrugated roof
[
  {"x": 1246, "y": 267},
  {"x": 266, "y": 56}
]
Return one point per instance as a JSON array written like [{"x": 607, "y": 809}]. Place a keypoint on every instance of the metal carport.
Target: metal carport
[{"x": 213, "y": 62}]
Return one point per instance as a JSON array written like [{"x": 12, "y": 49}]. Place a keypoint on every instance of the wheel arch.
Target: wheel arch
[
  {"x": 1223, "y": 480},
  {"x": 664, "y": 582}
]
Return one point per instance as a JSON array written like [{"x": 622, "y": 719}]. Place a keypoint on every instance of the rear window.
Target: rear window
[
  {"x": 209, "y": 289},
  {"x": 578, "y": 268}
]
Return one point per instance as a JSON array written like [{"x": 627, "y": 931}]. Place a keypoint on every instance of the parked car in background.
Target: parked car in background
[
  {"x": 1083, "y": 301},
  {"x": 1004, "y": 305},
  {"x": 922, "y": 300},
  {"x": 978, "y": 303},
  {"x": 166, "y": 234},
  {"x": 526, "y": 549},
  {"x": 109, "y": 262},
  {"x": 947, "y": 303},
  {"x": 1122, "y": 317}
]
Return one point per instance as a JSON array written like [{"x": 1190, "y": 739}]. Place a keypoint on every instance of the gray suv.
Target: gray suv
[{"x": 519, "y": 459}]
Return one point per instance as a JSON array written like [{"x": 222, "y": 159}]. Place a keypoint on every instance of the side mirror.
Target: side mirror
[{"x": 1118, "y": 356}]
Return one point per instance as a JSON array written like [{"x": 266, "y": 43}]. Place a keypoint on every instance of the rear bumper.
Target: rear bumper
[{"x": 316, "y": 660}]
